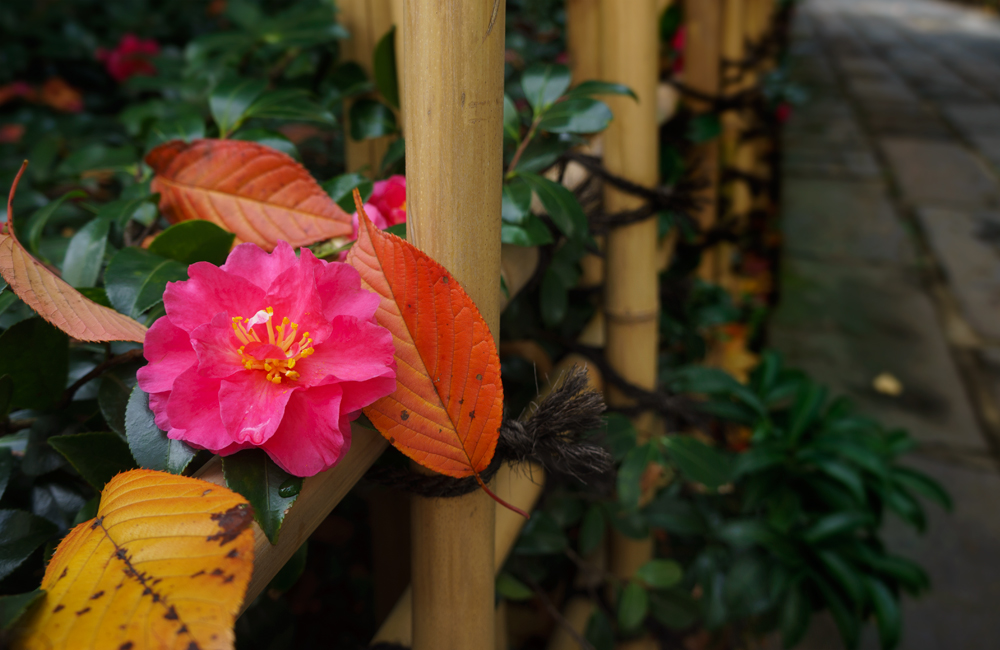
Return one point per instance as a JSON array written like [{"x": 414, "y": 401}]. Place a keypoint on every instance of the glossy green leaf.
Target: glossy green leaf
[
  {"x": 6, "y": 467},
  {"x": 675, "y": 515},
  {"x": 630, "y": 475},
  {"x": 887, "y": 614},
  {"x": 541, "y": 536},
  {"x": 120, "y": 211},
  {"x": 844, "y": 474},
  {"x": 599, "y": 633},
  {"x": 843, "y": 573},
  {"x": 704, "y": 128},
  {"x": 41, "y": 217},
  {"x": 384, "y": 68},
  {"x": 341, "y": 189},
  {"x": 113, "y": 395},
  {"x": 394, "y": 157},
  {"x": 713, "y": 381},
  {"x": 559, "y": 203},
  {"x": 591, "y": 530},
  {"x": 837, "y": 523},
  {"x": 619, "y": 434},
  {"x": 533, "y": 232},
  {"x": 699, "y": 462},
  {"x": 98, "y": 456},
  {"x": 231, "y": 99},
  {"x": 150, "y": 446},
  {"x": 513, "y": 589},
  {"x": 85, "y": 254},
  {"x": 14, "y": 606},
  {"x": 271, "y": 139},
  {"x": 511, "y": 119},
  {"x": 903, "y": 504},
  {"x": 806, "y": 409},
  {"x": 580, "y": 115},
  {"x": 184, "y": 127},
  {"x": 371, "y": 119},
  {"x": 36, "y": 355},
  {"x": 633, "y": 606},
  {"x": 135, "y": 279},
  {"x": 591, "y": 87},
  {"x": 796, "y": 611},
  {"x": 289, "y": 104},
  {"x": 660, "y": 574},
  {"x": 516, "y": 204},
  {"x": 847, "y": 623},
  {"x": 20, "y": 534},
  {"x": 543, "y": 84},
  {"x": 923, "y": 485},
  {"x": 193, "y": 241},
  {"x": 253, "y": 474}
]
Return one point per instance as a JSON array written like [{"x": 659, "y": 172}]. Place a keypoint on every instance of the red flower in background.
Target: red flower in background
[
  {"x": 130, "y": 57},
  {"x": 389, "y": 196},
  {"x": 677, "y": 45}
]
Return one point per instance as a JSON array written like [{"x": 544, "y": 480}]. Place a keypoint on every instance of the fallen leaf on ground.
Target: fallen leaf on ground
[{"x": 165, "y": 564}]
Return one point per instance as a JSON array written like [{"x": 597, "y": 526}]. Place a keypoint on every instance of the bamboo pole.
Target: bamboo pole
[
  {"x": 734, "y": 153},
  {"x": 521, "y": 487},
  {"x": 454, "y": 64},
  {"x": 367, "y": 21},
  {"x": 629, "y": 55},
  {"x": 702, "y": 72}
]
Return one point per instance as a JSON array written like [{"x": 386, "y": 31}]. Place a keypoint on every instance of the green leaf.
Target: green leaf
[
  {"x": 541, "y": 536},
  {"x": 632, "y": 606},
  {"x": 591, "y": 88},
  {"x": 886, "y": 605},
  {"x": 630, "y": 475},
  {"x": 290, "y": 573},
  {"x": 619, "y": 434},
  {"x": 6, "y": 467},
  {"x": 150, "y": 446},
  {"x": 675, "y": 609},
  {"x": 903, "y": 504},
  {"x": 41, "y": 217},
  {"x": 660, "y": 574},
  {"x": 543, "y": 84},
  {"x": 394, "y": 154},
  {"x": 20, "y": 534},
  {"x": 699, "y": 462},
  {"x": 513, "y": 589},
  {"x": 532, "y": 233},
  {"x": 713, "y": 381},
  {"x": 135, "y": 279},
  {"x": 142, "y": 209},
  {"x": 231, "y": 99},
  {"x": 293, "y": 104},
  {"x": 806, "y": 409},
  {"x": 98, "y": 456},
  {"x": 341, "y": 188},
  {"x": 36, "y": 356},
  {"x": 580, "y": 115},
  {"x": 193, "y": 241},
  {"x": 386, "y": 79},
  {"x": 923, "y": 485},
  {"x": 269, "y": 138},
  {"x": 85, "y": 253},
  {"x": 185, "y": 127},
  {"x": 591, "y": 530},
  {"x": 675, "y": 515},
  {"x": 561, "y": 205},
  {"x": 554, "y": 298},
  {"x": 757, "y": 459},
  {"x": 511, "y": 119},
  {"x": 844, "y": 574},
  {"x": 113, "y": 394},
  {"x": 13, "y": 607},
  {"x": 844, "y": 474},
  {"x": 796, "y": 612},
  {"x": 847, "y": 622},
  {"x": 599, "y": 632},
  {"x": 704, "y": 128},
  {"x": 516, "y": 205},
  {"x": 254, "y": 475},
  {"x": 837, "y": 523},
  {"x": 371, "y": 119},
  {"x": 400, "y": 231}
]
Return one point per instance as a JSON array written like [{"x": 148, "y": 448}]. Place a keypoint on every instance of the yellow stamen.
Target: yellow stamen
[{"x": 282, "y": 336}]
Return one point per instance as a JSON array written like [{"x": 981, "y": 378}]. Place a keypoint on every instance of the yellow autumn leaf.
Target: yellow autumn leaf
[{"x": 165, "y": 564}]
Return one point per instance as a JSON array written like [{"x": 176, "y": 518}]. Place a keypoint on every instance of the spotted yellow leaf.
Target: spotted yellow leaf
[{"x": 165, "y": 564}]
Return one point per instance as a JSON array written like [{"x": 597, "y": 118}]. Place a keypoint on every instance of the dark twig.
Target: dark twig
[
  {"x": 557, "y": 615},
  {"x": 100, "y": 369}
]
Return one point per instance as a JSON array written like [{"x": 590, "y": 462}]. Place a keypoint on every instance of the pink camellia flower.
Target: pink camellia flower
[
  {"x": 269, "y": 350},
  {"x": 129, "y": 58},
  {"x": 389, "y": 196}
]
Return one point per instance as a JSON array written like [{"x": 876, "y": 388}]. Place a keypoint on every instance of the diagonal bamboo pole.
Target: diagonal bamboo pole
[
  {"x": 630, "y": 55},
  {"x": 454, "y": 64}
]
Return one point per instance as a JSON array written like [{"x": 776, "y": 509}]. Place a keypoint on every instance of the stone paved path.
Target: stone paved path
[{"x": 891, "y": 214}]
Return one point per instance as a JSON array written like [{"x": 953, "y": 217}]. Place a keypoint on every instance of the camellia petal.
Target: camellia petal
[
  {"x": 208, "y": 292},
  {"x": 252, "y": 406},
  {"x": 311, "y": 437},
  {"x": 253, "y": 263},
  {"x": 169, "y": 353}
]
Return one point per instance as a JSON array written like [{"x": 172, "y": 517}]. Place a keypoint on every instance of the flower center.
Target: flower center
[{"x": 282, "y": 336}]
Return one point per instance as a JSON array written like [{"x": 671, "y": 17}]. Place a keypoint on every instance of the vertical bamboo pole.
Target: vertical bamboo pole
[
  {"x": 367, "y": 21},
  {"x": 702, "y": 72},
  {"x": 583, "y": 39},
  {"x": 630, "y": 55},
  {"x": 734, "y": 124},
  {"x": 454, "y": 63}
]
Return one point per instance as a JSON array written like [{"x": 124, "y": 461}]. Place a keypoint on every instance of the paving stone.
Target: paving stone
[
  {"x": 936, "y": 172},
  {"x": 843, "y": 222},
  {"x": 846, "y": 323},
  {"x": 965, "y": 242},
  {"x": 974, "y": 120}
]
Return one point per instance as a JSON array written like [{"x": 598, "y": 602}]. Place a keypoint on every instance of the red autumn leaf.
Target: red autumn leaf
[
  {"x": 260, "y": 194},
  {"x": 447, "y": 409},
  {"x": 53, "y": 299}
]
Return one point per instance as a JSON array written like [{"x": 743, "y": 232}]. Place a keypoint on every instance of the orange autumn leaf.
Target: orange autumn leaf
[
  {"x": 447, "y": 408},
  {"x": 165, "y": 564},
  {"x": 52, "y": 298},
  {"x": 258, "y": 193}
]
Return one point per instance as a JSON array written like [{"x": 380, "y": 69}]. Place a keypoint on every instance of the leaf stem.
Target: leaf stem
[
  {"x": 98, "y": 370},
  {"x": 499, "y": 500},
  {"x": 524, "y": 144}
]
